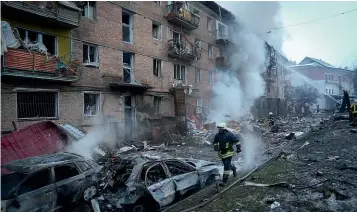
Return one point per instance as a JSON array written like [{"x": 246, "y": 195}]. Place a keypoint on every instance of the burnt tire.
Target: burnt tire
[{"x": 210, "y": 180}]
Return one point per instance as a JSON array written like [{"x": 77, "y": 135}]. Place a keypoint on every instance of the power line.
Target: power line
[{"x": 308, "y": 22}]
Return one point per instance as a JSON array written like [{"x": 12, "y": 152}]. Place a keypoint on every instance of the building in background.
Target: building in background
[
  {"x": 132, "y": 62},
  {"x": 327, "y": 79}
]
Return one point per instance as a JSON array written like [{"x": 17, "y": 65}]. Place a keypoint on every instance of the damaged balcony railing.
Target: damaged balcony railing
[
  {"x": 28, "y": 64},
  {"x": 182, "y": 49},
  {"x": 66, "y": 13},
  {"x": 222, "y": 38},
  {"x": 177, "y": 14}
]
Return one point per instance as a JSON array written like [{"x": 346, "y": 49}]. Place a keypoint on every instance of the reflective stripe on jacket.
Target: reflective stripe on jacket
[
  {"x": 354, "y": 108},
  {"x": 223, "y": 143}
]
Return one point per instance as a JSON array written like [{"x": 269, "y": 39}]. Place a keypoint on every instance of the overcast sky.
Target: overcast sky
[{"x": 333, "y": 40}]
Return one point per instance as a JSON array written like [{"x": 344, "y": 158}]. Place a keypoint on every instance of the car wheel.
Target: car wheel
[{"x": 210, "y": 180}]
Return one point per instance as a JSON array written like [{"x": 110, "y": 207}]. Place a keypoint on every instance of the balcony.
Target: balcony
[
  {"x": 182, "y": 17},
  {"x": 222, "y": 62},
  {"x": 65, "y": 14},
  {"x": 223, "y": 39},
  {"x": 21, "y": 63},
  {"x": 183, "y": 50}
]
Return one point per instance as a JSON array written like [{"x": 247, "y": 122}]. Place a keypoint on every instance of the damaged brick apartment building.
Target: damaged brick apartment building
[{"x": 136, "y": 63}]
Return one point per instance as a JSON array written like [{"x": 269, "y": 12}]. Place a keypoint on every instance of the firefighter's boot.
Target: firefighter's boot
[
  {"x": 224, "y": 180},
  {"x": 234, "y": 169}
]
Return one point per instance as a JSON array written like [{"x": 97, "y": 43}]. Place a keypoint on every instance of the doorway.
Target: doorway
[{"x": 129, "y": 117}]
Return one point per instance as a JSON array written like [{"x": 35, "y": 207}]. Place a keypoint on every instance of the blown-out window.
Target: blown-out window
[{"x": 91, "y": 104}]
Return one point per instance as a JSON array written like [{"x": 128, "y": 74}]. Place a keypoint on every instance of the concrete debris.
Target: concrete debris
[
  {"x": 305, "y": 144},
  {"x": 274, "y": 205},
  {"x": 95, "y": 205},
  {"x": 332, "y": 158}
]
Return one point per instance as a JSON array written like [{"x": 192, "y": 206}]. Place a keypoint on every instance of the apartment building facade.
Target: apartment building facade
[
  {"x": 128, "y": 62},
  {"x": 327, "y": 79}
]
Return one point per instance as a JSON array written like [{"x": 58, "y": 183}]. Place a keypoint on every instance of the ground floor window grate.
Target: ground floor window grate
[{"x": 37, "y": 105}]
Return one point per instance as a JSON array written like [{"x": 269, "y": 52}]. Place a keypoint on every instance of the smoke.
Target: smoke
[
  {"x": 101, "y": 133},
  {"x": 237, "y": 89}
]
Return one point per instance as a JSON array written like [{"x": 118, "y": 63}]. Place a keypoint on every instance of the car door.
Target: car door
[
  {"x": 160, "y": 186},
  {"x": 185, "y": 176},
  {"x": 69, "y": 182},
  {"x": 35, "y": 193}
]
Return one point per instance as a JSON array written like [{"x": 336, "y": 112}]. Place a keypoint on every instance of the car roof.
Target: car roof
[{"x": 29, "y": 164}]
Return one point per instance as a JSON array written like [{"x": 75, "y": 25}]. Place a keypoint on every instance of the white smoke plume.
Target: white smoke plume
[
  {"x": 236, "y": 90},
  {"x": 101, "y": 133}
]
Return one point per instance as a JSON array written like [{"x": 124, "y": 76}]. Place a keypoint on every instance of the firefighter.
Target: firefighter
[
  {"x": 353, "y": 110},
  {"x": 223, "y": 144},
  {"x": 271, "y": 119}
]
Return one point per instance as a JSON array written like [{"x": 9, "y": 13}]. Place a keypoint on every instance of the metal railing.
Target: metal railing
[
  {"x": 176, "y": 10},
  {"x": 181, "y": 47}
]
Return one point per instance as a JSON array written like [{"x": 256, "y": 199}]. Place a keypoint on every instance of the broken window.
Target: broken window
[
  {"x": 209, "y": 24},
  {"x": 222, "y": 30},
  {"x": 157, "y": 67},
  {"x": 36, "y": 181},
  {"x": 157, "y": 2},
  {"x": 127, "y": 66},
  {"x": 197, "y": 75},
  {"x": 65, "y": 172},
  {"x": 49, "y": 41},
  {"x": 88, "y": 9},
  {"x": 155, "y": 174},
  {"x": 177, "y": 168},
  {"x": 156, "y": 30},
  {"x": 91, "y": 104},
  {"x": 179, "y": 72},
  {"x": 157, "y": 104},
  {"x": 90, "y": 55},
  {"x": 210, "y": 51},
  {"x": 37, "y": 105},
  {"x": 127, "y": 26}
]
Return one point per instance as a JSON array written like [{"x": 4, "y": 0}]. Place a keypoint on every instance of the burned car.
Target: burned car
[
  {"x": 151, "y": 185},
  {"x": 47, "y": 182}
]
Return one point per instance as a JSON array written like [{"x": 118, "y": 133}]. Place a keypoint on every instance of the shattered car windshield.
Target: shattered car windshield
[{"x": 9, "y": 181}]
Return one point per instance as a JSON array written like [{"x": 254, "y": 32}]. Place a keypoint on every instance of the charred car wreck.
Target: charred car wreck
[
  {"x": 47, "y": 182},
  {"x": 140, "y": 184}
]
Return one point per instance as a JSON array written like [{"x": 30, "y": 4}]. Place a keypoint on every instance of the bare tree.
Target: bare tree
[{"x": 301, "y": 97}]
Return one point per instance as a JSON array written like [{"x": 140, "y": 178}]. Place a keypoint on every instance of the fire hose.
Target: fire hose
[{"x": 240, "y": 180}]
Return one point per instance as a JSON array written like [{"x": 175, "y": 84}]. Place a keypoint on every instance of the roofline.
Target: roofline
[
  {"x": 322, "y": 66},
  {"x": 217, "y": 8}
]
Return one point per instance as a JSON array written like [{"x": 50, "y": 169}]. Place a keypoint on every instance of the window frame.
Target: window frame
[
  {"x": 225, "y": 33},
  {"x": 159, "y": 30},
  {"x": 209, "y": 23},
  {"x": 98, "y": 103},
  {"x": 157, "y": 64},
  {"x": 130, "y": 26},
  {"x": 130, "y": 67},
  {"x": 211, "y": 77},
  {"x": 182, "y": 73},
  {"x": 94, "y": 11},
  {"x": 157, "y": 2},
  {"x": 177, "y": 161},
  {"x": 199, "y": 73},
  {"x": 51, "y": 178},
  {"x": 39, "y": 118},
  {"x": 96, "y": 56},
  {"x": 210, "y": 51},
  {"x": 67, "y": 164},
  {"x": 42, "y": 33}
]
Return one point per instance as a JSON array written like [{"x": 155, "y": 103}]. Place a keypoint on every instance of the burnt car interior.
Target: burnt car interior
[
  {"x": 8, "y": 182},
  {"x": 153, "y": 174},
  {"x": 36, "y": 181},
  {"x": 177, "y": 168},
  {"x": 65, "y": 172}
]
